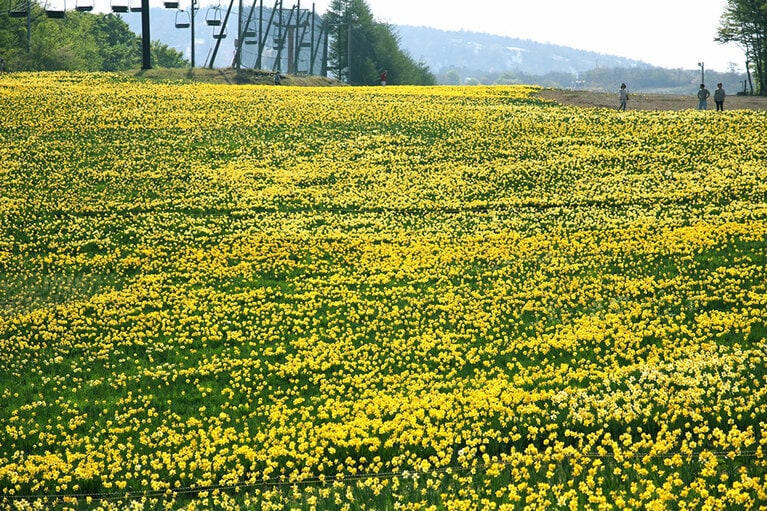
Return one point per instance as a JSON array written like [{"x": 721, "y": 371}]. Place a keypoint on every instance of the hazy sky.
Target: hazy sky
[{"x": 669, "y": 33}]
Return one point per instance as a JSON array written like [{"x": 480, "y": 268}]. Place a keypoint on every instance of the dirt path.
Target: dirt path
[{"x": 649, "y": 101}]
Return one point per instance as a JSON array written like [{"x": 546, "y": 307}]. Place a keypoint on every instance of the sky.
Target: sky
[{"x": 666, "y": 33}]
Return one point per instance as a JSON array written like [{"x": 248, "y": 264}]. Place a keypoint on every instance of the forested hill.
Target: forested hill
[
  {"x": 473, "y": 53},
  {"x": 460, "y": 57}
]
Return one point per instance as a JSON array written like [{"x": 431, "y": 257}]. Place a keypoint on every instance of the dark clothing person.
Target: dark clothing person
[
  {"x": 719, "y": 97},
  {"x": 624, "y": 97}
]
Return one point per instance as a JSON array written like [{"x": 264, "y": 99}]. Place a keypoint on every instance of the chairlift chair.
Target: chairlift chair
[
  {"x": 182, "y": 19},
  {"x": 55, "y": 10},
  {"x": 84, "y": 5},
  {"x": 120, "y": 6},
  {"x": 19, "y": 9},
  {"x": 213, "y": 16},
  {"x": 221, "y": 34},
  {"x": 249, "y": 36}
]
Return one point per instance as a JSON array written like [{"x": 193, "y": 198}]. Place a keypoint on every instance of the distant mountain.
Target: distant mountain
[{"x": 481, "y": 53}]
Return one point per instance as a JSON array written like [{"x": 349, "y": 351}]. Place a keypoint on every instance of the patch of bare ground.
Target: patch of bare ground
[
  {"x": 230, "y": 76},
  {"x": 640, "y": 101}
]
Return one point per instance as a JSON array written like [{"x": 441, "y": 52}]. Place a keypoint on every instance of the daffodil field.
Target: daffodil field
[{"x": 380, "y": 298}]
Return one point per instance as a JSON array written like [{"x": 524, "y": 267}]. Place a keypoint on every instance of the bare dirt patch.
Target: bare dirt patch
[{"x": 639, "y": 101}]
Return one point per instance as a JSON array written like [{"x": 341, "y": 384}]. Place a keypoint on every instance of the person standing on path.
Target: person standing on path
[
  {"x": 703, "y": 95},
  {"x": 624, "y": 97},
  {"x": 719, "y": 97}
]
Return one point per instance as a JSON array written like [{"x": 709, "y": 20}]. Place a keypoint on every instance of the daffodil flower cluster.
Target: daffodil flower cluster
[{"x": 251, "y": 297}]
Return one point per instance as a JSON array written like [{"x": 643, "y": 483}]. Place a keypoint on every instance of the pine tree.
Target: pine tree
[{"x": 361, "y": 48}]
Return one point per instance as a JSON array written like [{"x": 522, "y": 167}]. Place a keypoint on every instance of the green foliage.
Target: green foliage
[
  {"x": 120, "y": 48},
  {"x": 745, "y": 22},
  {"x": 165, "y": 56},
  {"x": 80, "y": 41}
]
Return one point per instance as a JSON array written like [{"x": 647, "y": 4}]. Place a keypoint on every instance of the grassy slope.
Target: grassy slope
[{"x": 230, "y": 76}]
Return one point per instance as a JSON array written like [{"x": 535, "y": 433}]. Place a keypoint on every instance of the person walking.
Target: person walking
[
  {"x": 703, "y": 95},
  {"x": 624, "y": 97},
  {"x": 719, "y": 97}
]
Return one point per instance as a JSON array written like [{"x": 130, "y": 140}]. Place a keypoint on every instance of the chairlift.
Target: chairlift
[
  {"x": 213, "y": 16},
  {"x": 120, "y": 6},
  {"x": 221, "y": 34},
  {"x": 170, "y": 4},
  {"x": 182, "y": 19},
  {"x": 55, "y": 10},
  {"x": 19, "y": 10},
  {"x": 84, "y": 5},
  {"x": 249, "y": 36},
  {"x": 135, "y": 5}
]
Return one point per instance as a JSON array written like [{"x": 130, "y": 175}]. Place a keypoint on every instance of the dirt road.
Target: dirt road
[{"x": 649, "y": 101}]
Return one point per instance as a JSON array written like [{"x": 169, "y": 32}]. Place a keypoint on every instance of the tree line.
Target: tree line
[
  {"x": 360, "y": 48},
  {"x": 80, "y": 41},
  {"x": 647, "y": 79}
]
